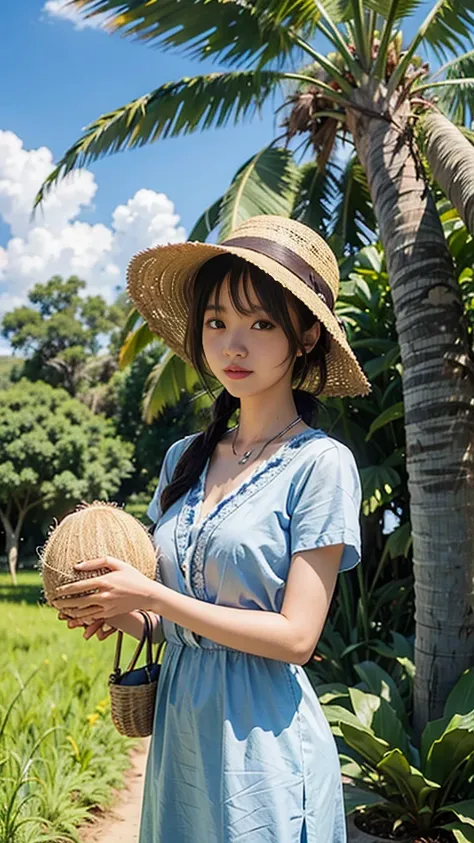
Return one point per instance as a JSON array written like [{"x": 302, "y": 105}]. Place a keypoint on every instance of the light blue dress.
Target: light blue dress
[{"x": 241, "y": 751}]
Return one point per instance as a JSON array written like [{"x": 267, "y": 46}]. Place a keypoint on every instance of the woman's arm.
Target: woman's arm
[
  {"x": 290, "y": 635},
  {"x": 132, "y": 623}
]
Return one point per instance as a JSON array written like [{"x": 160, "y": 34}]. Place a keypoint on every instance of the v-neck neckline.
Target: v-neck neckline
[{"x": 199, "y": 522}]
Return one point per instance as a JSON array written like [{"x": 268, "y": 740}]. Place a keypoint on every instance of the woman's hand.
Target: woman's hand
[
  {"x": 116, "y": 593},
  {"x": 100, "y": 627}
]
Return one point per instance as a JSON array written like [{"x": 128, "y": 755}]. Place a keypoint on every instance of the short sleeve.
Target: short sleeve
[
  {"x": 166, "y": 474},
  {"x": 154, "y": 508},
  {"x": 326, "y": 503}
]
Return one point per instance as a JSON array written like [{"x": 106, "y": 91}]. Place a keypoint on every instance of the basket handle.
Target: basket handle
[{"x": 146, "y": 636}]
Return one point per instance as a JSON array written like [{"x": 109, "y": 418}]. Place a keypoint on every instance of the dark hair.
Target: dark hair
[{"x": 274, "y": 299}]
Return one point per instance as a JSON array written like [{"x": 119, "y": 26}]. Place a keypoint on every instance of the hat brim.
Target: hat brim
[{"x": 156, "y": 279}]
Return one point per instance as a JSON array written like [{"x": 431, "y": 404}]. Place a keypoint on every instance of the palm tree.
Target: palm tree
[{"x": 378, "y": 94}]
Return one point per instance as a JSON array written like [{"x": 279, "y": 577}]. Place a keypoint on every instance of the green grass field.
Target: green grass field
[{"x": 60, "y": 755}]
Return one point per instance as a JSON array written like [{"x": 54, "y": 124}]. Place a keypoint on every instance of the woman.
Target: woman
[{"x": 252, "y": 524}]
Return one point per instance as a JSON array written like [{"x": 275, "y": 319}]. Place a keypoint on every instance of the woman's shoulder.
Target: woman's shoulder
[
  {"x": 176, "y": 449},
  {"x": 322, "y": 458},
  {"x": 321, "y": 444}
]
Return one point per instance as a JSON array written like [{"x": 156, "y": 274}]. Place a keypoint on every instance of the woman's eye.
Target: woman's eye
[
  {"x": 210, "y": 321},
  {"x": 267, "y": 325}
]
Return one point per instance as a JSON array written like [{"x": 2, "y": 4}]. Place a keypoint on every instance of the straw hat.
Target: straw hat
[{"x": 290, "y": 252}]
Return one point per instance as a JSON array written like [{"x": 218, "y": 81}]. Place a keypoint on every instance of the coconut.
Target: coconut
[{"x": 90, "y": 532}]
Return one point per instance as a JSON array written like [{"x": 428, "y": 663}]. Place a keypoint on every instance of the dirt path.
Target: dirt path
[{"x": 120, "y": 824}]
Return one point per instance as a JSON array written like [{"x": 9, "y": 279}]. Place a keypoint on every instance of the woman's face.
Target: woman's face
[{"x": 247, "y": 353}]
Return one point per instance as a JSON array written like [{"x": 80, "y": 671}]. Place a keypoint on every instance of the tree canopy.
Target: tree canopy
[
  {"x": 60, "y": 330},
  {"x": 54, "y": 452}
]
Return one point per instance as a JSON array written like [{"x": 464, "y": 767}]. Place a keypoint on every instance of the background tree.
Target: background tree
[
  {"x": 61, "y": 332},
  {"x": 54, "y": 452},
  {"x": 150, "y": 439}
]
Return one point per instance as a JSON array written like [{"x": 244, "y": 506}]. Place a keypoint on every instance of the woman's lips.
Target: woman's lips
[{"x": 237, "y": 374}]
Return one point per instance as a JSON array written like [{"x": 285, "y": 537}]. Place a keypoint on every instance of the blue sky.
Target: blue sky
[{"x": 60, "y": 78}]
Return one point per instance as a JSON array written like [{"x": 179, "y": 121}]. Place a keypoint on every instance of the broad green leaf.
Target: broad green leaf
[
  {"x": 375, "y": 713},
  {"x": 364, "y": 705},
  {"x": 464, "y": 810},
  {"x": 266, "y": 184},
  {"x": 351, "y": 768},
  {"x": 398, "y": 542},
  {"x": 367, "y": 745},
  {"x": 451, "y": 747},
  {"x": 134, "y": 343},
  {"x": 375, "y": 367},
  {"x": 380, "y": 682},
  {"x": 336, "y": 714},
  {"x": 389, "y": 415},
  {"x": 409, "y": 780},
  {"x": 357, "y": 797},
  {"x": 461, "y": 698},
  {"x": 462, "y": 832}
]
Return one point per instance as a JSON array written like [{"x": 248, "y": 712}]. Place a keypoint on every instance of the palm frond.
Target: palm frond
[
  {"x": 451, "y": 158},
  {"x": 166, "y": 384},
  {"x": 447, "y": 28},
  {"x": 353, "y": 220},
  {"x": 266, "y": 184},
  {"x": 135, "y": 342},
  {"x": 207, "y": 222},
  {"x": 457, "y": 101},
  {"x": 396, "y": 10},
  {"x": 232, "y": 32},
  {"x": 317, "y": 193},
  {"x": 176, "y": 108}
]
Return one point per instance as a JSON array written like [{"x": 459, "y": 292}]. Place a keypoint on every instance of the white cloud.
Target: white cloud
[
  {"x": 63, "y": 10},
  {"x": 55, "y": 241}
]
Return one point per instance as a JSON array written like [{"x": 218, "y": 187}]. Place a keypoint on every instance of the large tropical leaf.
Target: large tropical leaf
[
  {"x": 353, "y": 221},
  {"x": 387, "y": 8},
  {"x": 176, "y": 108},
  {"x": 135, "y": 342},
  {"x": 166, "y": 384},
  {"x": 207, "y": 222},
  {"x": 266, "y": 184},
  {"x": 447, "y": 28},
  {"x": 317, "y": 192},
  {"x": 451, "y": 158},
  {"x": 232, "y": 32},
  {"x": 457, "y": 101}
]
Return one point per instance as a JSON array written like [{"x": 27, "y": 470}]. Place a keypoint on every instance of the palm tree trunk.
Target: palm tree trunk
[
  {"x": 451, "y": 159},
  {"x": 438, "y": 396}
]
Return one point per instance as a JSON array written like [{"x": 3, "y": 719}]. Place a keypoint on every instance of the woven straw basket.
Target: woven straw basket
[
  {"x": 133, "y": 693},
  {"x": 90, "y": 532}
]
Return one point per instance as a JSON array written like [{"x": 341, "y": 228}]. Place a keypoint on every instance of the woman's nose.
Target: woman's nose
[{"x": 234, "y": 347}]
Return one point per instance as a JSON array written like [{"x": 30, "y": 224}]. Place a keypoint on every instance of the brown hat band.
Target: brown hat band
[{"x": 290, "y": 260}]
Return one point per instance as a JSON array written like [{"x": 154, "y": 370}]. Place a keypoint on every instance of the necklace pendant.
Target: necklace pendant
[{"x": 245, "y": 457}]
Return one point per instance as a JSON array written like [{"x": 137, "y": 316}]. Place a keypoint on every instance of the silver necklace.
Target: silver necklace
[{"x": 245, "y": 457}]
